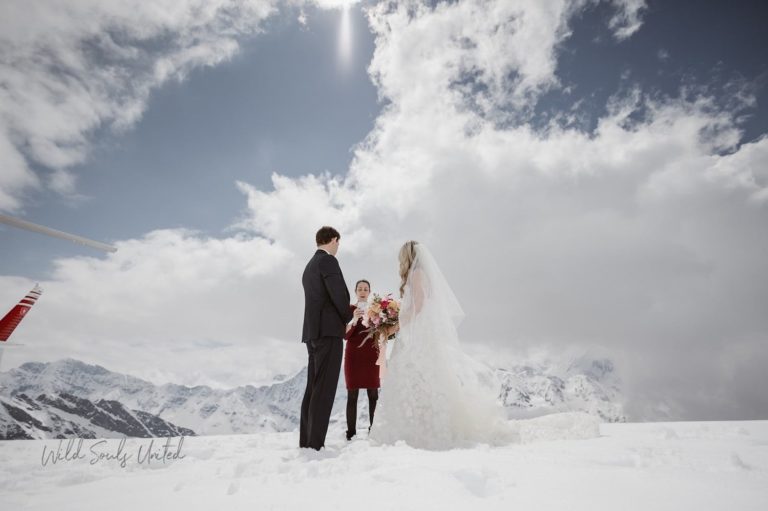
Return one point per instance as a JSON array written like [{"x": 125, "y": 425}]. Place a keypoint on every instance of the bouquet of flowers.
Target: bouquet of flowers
[
  {"x": 382, "y": 314},
  {"x": 380, "y": 318}
]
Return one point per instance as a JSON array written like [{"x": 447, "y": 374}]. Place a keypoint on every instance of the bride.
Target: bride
[{"x": 433, "y": 395}]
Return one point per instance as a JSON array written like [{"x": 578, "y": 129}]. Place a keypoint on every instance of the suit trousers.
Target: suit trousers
[{"x": 323, "y": 368}]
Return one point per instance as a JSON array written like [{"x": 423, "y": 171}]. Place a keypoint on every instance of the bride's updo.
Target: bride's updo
[{"x": 407, "y": 255}]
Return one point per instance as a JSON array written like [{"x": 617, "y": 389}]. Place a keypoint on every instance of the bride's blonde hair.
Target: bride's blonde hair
[{"x": 406, "y": 256}]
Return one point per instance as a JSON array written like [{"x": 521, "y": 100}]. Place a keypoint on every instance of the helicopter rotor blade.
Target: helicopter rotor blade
[{"x": 23, "y": 224}]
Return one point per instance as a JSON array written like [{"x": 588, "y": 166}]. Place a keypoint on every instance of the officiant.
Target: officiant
[{"x": 360, "y": 355}]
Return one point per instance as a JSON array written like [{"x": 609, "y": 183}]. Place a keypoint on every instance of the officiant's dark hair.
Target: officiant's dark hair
[{"x": 326, "y": 234}]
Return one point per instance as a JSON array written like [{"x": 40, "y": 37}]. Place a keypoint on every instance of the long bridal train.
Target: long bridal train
[{"x": 432, "y": 396}]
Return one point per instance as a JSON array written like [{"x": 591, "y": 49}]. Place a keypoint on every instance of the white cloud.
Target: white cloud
[
  {"x": 72, "y": 68},
  {"x": 172, "y": 306},
  {"x": 333, "y": 4},
  {"x": 627, "y": 18},
  {"x": 643, "y": 238}
]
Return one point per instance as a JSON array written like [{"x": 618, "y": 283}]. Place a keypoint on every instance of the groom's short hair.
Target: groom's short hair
[{"x": 326, "y": 234}]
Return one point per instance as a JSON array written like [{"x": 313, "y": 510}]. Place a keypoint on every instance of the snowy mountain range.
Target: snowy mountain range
[
  {"x": 590, "y": 386},
  {"x": 70, "y": 398},
  {"x": 63, "y": 415}
]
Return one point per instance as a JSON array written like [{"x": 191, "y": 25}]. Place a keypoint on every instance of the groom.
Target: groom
[{"x": 326, "y": 313}]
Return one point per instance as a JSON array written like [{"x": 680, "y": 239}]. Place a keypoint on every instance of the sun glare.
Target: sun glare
[{"x": 345, "y": 35}]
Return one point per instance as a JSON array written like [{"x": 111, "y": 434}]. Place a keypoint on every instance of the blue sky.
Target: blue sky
[
  {"x": 705, "y": 44},
  {"x": 591, "y": 176},
  {"x": 285, "y": 104}
]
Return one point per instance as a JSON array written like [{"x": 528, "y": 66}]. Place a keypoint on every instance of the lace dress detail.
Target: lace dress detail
[{"x": 434, "y": 396}]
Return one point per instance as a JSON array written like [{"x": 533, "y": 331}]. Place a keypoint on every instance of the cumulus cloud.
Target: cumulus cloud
[
  {"x": 71, "y": 69},
  {"x": 171, "y": 306},
  {"x": 642, "y": 238}
]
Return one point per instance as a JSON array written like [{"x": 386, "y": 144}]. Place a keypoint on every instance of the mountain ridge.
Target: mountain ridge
[{"x": 70, "y": 397}]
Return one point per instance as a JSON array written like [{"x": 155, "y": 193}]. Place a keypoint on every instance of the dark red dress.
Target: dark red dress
[{"x": 360, "y": 369}]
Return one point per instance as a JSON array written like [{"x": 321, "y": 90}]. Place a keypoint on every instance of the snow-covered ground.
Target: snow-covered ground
[{"x": 648, "y": 466}]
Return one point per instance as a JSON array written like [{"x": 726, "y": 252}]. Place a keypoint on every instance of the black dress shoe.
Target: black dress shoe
[{"x": 350, "y": 435}]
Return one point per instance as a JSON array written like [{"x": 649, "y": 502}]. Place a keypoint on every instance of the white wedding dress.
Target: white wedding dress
[{"x": 433, "y": 395}]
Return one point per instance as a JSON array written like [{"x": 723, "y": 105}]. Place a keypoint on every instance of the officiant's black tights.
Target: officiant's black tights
[{"x": 352, "y": 394}]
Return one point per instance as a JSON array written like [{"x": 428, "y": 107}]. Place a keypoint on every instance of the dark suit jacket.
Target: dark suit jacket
[{"x": 326, "y": 298}]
